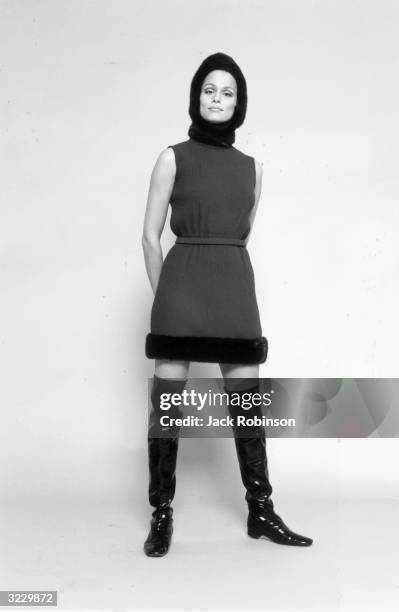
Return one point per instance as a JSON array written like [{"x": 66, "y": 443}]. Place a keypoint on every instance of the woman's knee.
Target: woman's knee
[
  {"x": 234, "y": 370},
  {"x": 171, "y": 368}
]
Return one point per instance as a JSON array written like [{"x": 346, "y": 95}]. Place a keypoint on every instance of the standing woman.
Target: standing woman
[{"x": 205, "y": 306}]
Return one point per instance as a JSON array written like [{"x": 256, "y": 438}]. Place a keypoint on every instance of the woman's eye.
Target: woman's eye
[{"x": 210, "y": 91}]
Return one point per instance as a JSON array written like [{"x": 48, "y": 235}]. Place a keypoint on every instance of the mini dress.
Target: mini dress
[{"x": 205, "y": 307}]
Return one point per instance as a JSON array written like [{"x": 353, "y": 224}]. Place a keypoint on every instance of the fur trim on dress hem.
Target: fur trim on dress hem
[{"x": 206, "y": 349}]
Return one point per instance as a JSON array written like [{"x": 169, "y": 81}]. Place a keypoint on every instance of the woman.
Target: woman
[{"x": 205, "y": 306}]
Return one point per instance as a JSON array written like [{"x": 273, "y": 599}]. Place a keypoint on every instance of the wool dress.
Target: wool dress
[{"x": 205, "y": 307}]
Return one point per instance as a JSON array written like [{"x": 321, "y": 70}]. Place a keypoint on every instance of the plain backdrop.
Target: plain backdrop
[{"x": 91, "y": 93}]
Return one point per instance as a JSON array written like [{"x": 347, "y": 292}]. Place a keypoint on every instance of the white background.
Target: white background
[{"x": 91, "y": 92}]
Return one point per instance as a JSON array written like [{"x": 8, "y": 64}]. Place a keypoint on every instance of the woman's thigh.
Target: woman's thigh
[{"x": 171, "y": 368}]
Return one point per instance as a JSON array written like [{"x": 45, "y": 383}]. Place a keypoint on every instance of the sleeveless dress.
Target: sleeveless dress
[{"x": 205, "y": 307}]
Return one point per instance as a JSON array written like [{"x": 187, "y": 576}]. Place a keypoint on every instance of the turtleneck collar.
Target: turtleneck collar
[{"x": 206, "y": 133}]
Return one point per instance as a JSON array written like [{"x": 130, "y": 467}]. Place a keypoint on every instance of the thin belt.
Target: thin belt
[{"x": 210, "y": 240}]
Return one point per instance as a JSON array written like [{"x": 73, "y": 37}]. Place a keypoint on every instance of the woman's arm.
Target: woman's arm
[
  {"x": 258, "y": 190},
  {"x": 160, "y": 190}
]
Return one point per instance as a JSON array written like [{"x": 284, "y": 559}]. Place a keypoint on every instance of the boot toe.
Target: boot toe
[
  {"x": 155, "y": 549},
  {"x": 155, "y": 552},
  {"x": 298, "y": 540}
]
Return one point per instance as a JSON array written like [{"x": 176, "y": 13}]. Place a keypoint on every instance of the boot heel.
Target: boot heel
[{"x": 253, "y": 534}]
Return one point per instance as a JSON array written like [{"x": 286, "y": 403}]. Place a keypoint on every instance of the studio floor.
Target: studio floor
[{"x": 92, "y": 555}]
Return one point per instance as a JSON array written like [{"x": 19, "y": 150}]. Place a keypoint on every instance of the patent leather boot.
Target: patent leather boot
[
  {"x": 250, "y": 442},
  {"x": 158, "y": 541},
  {"x": 163, "y": 445}
]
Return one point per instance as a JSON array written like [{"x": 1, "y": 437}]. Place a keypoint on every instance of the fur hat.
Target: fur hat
[{"x": 223, "y": 133}]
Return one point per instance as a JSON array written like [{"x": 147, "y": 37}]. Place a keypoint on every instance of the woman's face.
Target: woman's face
[{"x": 218, "y": 97}]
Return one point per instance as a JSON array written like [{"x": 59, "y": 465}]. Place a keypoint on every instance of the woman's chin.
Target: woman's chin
[{"x": 216, "y": 117}]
